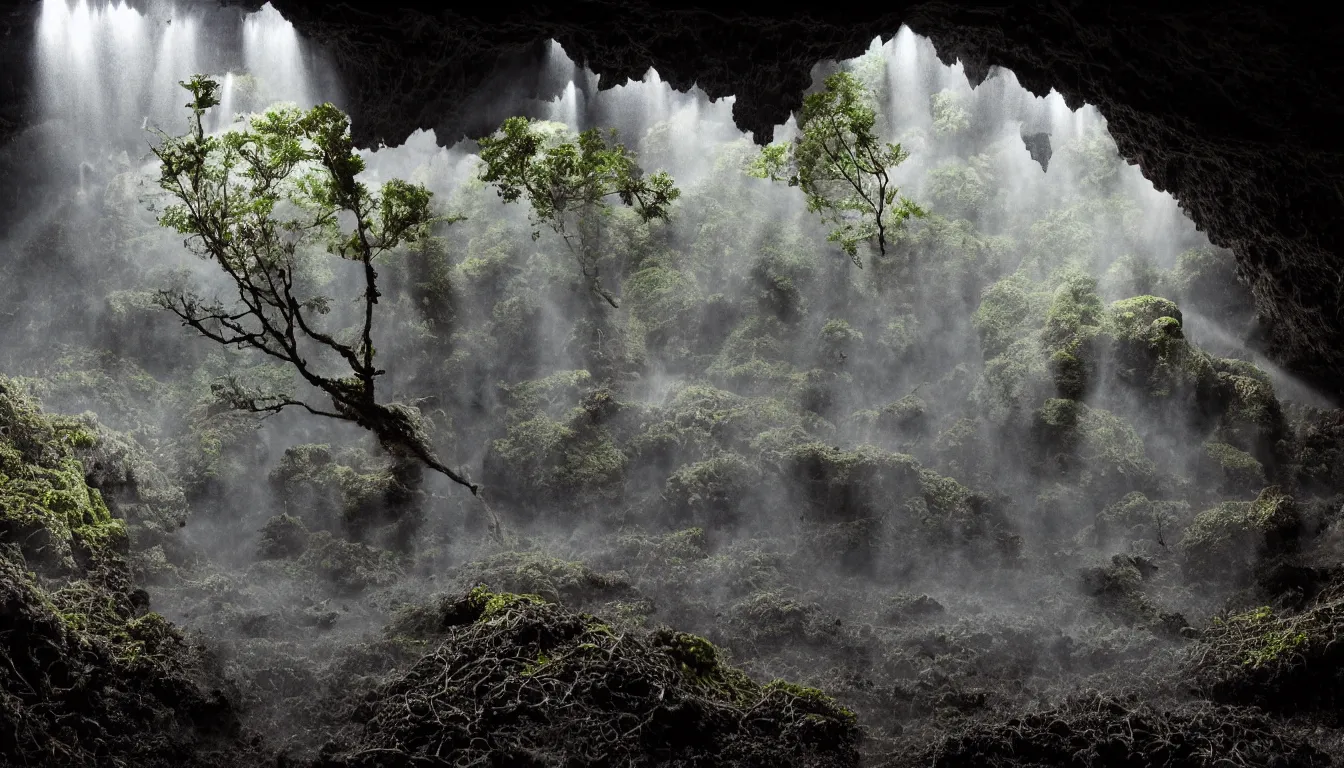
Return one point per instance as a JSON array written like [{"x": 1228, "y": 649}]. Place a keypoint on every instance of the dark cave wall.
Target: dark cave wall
[{"x": 1229, "y": 106}]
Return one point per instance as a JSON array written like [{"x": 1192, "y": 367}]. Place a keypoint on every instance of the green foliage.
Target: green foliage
[
  {"x": 46, "y": 507},
  {"x": 546, "y": 577},
  {"x": 949, "y": 113},
  {"x": 567, "y": 180},
  {"x": 713, "y": 490},
  {"x": 261, "y": 203},
  {"x": 842, "y": 167},
  {"x": 1230, "y": 469},
  {"x": 963, "y": 189},
  {"x": 1222, "y": 542}
]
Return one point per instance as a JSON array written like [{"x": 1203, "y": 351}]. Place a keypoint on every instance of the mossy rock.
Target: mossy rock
[
  {"x": 863, "y": 483},
  {"x": 553, "y": 579},
  {"x": 90, "y": 678},
  {"x": 1152, "y": 356},
  {"x": 1097, "y": 449},
  {"x": 713, "y": 491},
  {"x": 1229, "y": 469},
  {"x": 349, "y": 567},
  {"x": 1138, "y": 518},
  {"x": 283, "y": 536},
  {"x": 562, "y": 674},
  {"x": 46, "y": 507},
  {"x": 1226, "y": 541}
]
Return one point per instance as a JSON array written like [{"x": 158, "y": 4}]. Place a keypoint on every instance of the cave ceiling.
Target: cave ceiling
[{"x": 1230, "y": 106}]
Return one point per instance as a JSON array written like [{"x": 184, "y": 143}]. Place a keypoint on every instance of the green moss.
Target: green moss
[
  {"x": 496, "y": 603},
  {"x": 551, "y": 578},
  {"x": 1007, "y": 309},
  {"x": 1230, "y": 469},
  {"x": 1265, "y": 639},
  {"x": 710, "y": 489},
  {"x": 45, "y": 504},
  {"x": 1133, "y": 318},
  {"x": 848, "y": 485},
  {"x": 1152, "y": 354},
  {"x": 1225, "y": 540},
  {"x": 349, "y": 566}
]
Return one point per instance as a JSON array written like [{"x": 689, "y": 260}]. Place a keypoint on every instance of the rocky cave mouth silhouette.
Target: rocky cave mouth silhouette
[{"x": 1049, "y": 477}]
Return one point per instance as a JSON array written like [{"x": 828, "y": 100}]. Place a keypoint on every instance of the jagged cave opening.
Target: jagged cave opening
[{"x": 1019, "y": 486}]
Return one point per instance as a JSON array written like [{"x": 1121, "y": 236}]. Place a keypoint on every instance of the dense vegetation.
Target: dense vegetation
[{"x": 982, "y": 501}]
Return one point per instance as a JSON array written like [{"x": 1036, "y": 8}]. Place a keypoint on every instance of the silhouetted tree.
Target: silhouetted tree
[{"x": 262, "y": 202}]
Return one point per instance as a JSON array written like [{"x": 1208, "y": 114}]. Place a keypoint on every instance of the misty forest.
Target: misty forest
[{"x": 929, "y": 433}]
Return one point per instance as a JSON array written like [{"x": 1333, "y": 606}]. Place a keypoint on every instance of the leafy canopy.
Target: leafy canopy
[
  {"x": 264, "y": 202},
  {"x": 841, "y": 166},
  {"x": 568, "y": 180}
]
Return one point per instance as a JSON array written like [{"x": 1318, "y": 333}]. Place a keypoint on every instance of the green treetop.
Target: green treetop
[
  {"x": 568, "y": 180},
  {"x": 264, "y": 203},
  {"x": 842, "y": 166}
]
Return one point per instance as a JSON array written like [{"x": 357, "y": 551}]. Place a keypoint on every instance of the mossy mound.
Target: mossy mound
[
  {"x": 348, "y": 566},
  {"x": 327, "y": 493},
  {"x": 1093, "y": 729},
  {"x": 1097, "y": 450},
  {"x": 713, "y": 491},
  {"x": 516, "y": 681},
  {"x": 46, "y": 508},
  {"x": 88, "y": 676},
  {"x": 1226, "y": 542},
  {"x": 88, "y": 679},
  {"x": 1229, "y": 470},
  {"x": 1153, "y": 356},
  {"x": 1282, "y": 663},
  {"x": 573, "y": 584}
]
